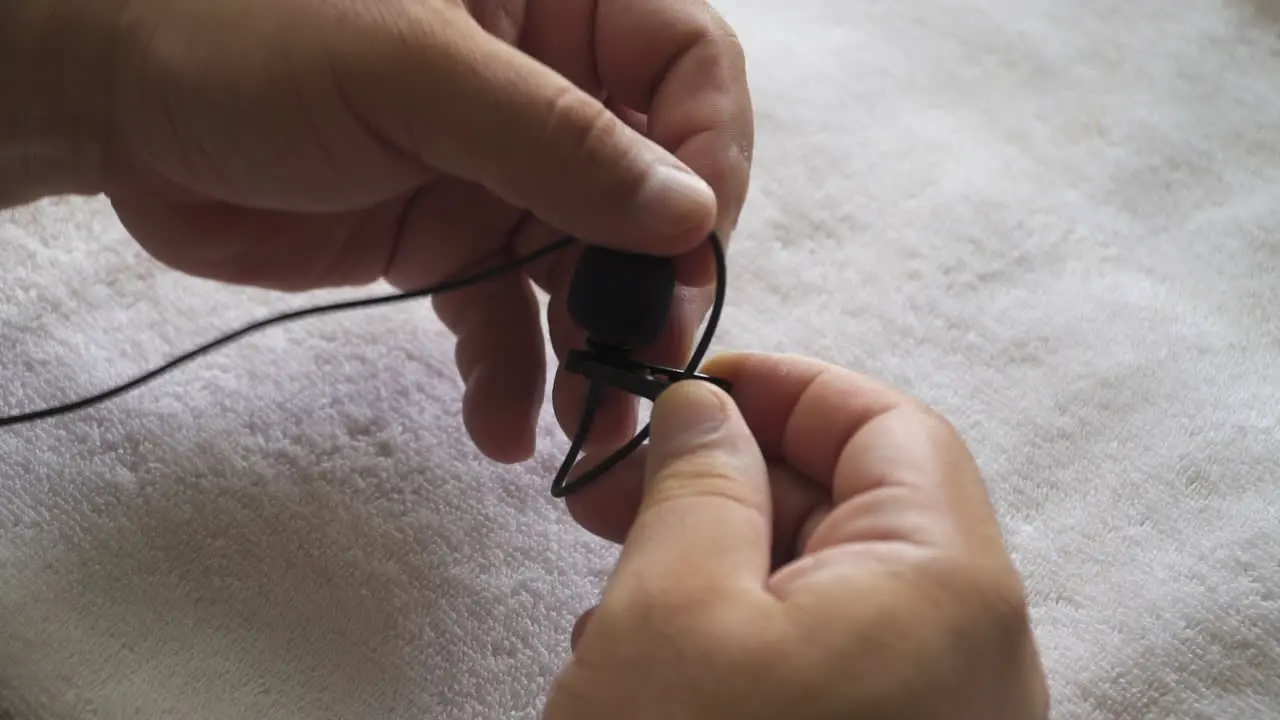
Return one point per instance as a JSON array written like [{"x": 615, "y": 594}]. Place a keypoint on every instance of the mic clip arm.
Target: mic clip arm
[{"x": 614, "y": 369}]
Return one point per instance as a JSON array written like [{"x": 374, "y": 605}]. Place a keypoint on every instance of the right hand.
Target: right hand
[{"x": 818, "y": 547}]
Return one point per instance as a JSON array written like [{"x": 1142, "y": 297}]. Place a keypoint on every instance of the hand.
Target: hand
[
  {"x": 823, "y": 548},
  {"x": 306, "y": 143}
]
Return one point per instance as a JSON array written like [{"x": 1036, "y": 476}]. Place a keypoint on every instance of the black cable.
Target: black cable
[
  {"x": 560, "y": 487},
  {"x": 447, "y": 286}
]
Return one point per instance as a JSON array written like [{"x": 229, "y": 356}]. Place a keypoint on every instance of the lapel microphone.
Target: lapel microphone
[{"x": 623, "y": 301}]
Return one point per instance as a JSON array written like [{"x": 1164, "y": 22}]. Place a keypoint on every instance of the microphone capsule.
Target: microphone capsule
[{"x": 622, "y": 299}]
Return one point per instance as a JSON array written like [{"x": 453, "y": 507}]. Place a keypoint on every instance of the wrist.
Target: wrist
[{"x": 54, "y": 84}]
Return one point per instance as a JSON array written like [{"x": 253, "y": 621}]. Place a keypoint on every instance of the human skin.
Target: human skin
[
  {"x": 817, "y": 546},
  {"x": 310, "y": 143}
]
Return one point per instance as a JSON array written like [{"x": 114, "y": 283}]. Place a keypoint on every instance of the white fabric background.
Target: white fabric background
[{"x": 1056, "y": 221}]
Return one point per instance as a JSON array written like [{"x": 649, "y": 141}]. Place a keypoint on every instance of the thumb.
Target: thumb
[
  {"x": 491, "y": 114},
  {"x": 705, "y": 515}
]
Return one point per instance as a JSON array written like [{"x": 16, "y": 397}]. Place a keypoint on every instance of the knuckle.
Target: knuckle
[
  {"x": 1006, "y": 607},
  {"x": 673, "y": 602},
  {"x": 991, "y": 598},
  {"x": 670, "y": 621},
  {"x": 935, "y": 420},
  {"x": 470, "y": 351},
  {"x": 993, "y": 621},
  {"x": 714, "y": 23},
  {"x": 501, "y": 18},
  {"x": 725, "y": 43},
  {"x": 730, "y": 44},
  {"x": 935, "y": 427},
  {"x": 583, "y": 131},
  {"x": 707, "y": 476},
  {"x": 695, "y": 625}
]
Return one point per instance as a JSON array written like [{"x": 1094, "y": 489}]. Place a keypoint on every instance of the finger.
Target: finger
[
  {"x": 452, "y": 228},
  {"x": 896, "y": 470},
  {"x": 493, "y": 115},
  {"x": 263, "y": 248},
  {"x": 548, "y": 271},
  {"x": 680, "y": 64},
  {"x": 801, "y": 410},
  {"x": 561, "y": 35},
  {"x": 705, "y": 512},
  {"x": 499, "y": 356},
  {"x": 447, "y": 229},
  {"x": 906, "y": 476},
  {"x": 616, "y": 413},
  {"x": 607, "y": 508},
  {"x": 634, "y": 120},
  {"x": 615, "y": 418}
]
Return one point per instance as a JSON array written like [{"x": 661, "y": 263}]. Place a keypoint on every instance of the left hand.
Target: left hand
[{"x": 310, "y": 143}]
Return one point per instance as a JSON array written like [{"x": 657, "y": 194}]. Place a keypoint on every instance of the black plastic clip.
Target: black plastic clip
[
  {"x": 617, "y": 371},
  {"x": 609, "y": 367}
]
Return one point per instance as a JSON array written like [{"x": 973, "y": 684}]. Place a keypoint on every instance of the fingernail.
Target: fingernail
[
  {"x": 674, "y": 200},
  {"x": 688, "y": 412}
]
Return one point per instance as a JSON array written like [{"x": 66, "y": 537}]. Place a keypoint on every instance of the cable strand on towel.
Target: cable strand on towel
[{"x": 560, "y": 488}]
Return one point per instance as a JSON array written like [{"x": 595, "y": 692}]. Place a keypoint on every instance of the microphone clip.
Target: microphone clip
[{"x": 612, "y": 367}]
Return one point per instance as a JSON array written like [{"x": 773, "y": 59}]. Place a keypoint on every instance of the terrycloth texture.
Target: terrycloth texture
[{"x": 1059, "y": 222}]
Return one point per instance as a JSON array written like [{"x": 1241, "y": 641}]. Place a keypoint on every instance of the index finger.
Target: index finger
[
  {"x": 896, "y": 469},
  {"x": 679, "y": 64}
]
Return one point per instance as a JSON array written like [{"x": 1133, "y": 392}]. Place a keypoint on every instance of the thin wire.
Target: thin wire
[
  {"x": 560, "y": 487},
  {"x": 450, "y": 285},
  {"x": 595, "y": 391}
]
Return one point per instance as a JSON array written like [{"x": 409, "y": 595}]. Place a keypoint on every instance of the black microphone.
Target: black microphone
[
  {"x": 623, "y": 302},
  {"x": 621, "y": 299}
]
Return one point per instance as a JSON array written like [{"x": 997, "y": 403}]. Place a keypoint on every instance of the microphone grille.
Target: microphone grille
[{"x": 622, "y": 299}]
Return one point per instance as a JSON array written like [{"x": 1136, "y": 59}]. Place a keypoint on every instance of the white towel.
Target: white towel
[{"x": 1058, "y": 222}]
